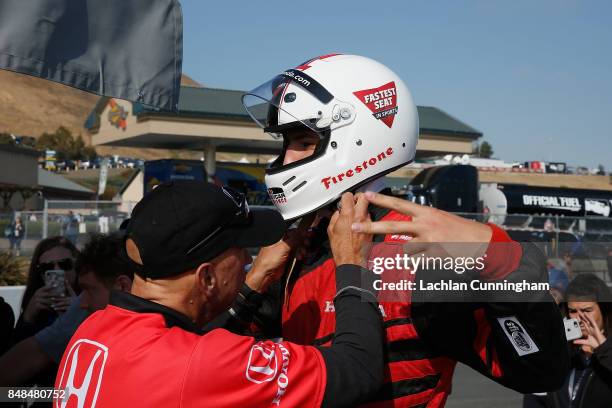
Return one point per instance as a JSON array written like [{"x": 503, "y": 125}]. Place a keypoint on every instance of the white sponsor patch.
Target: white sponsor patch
[
  {"x": 82, "y": 374},
  {"x": 518, "y": 336},
  {"x": 263, "y": 363}
]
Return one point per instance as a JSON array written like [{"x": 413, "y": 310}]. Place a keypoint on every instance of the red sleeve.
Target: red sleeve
[
  {"x": 227, "y": 370},
  {"x": 483, "y": 347},
  {"x": 396, "y": 216},
  {"x": 503, "y": 255}
]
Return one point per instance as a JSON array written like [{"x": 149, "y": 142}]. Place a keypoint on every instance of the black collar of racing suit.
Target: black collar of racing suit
[
  {"x": 137, "y": 304},
  {"x": 320, "y": 241}
]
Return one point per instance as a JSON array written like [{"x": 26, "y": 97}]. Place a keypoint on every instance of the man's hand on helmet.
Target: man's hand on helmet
[{"x": 347, "y": 245}]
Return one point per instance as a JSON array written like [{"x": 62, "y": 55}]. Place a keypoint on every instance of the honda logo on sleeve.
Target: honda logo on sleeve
[
  {"x": 82, "y": 374},
  {"x": 262, "y": 365}
]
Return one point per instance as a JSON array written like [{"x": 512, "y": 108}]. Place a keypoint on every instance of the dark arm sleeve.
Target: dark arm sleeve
[
  {"x": 603, "y": 355},
  {"x": 547, "y": 368},
  {"x": 252, "y": 314},
  {"x": 516, "y": 339},
  {"x": 23, "y": 330},
  {"x": 354, "y": 362}
]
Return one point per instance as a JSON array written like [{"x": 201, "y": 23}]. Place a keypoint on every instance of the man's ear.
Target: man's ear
[
  {"x": 206, "y": 279},
  {"x": 123, "y": 283}
]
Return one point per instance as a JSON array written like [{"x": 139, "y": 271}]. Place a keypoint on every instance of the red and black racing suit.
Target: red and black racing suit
[{"x": 425, "y": 339}]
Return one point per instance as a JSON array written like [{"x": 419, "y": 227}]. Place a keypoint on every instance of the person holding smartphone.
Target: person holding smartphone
[
  {"x": 51, "y": 283},
  {"x": 589, "y": 384},
  {"x": 42, "y": 303}
]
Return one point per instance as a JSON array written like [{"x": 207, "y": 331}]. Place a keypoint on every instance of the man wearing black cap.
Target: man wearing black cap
[{"x": 186, "y": 242}]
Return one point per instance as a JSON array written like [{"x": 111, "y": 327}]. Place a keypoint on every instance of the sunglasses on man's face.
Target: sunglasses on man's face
[{"x": 64, "y": 264}]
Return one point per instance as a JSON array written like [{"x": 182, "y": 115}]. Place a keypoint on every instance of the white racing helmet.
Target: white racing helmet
[{"x": 363, "y": 114}]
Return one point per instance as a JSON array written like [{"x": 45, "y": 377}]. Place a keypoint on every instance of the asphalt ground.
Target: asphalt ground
[{"x": 473, "y": 390}]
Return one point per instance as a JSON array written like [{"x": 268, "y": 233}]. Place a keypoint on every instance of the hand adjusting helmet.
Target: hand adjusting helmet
[{"x": 363, "y": 114}]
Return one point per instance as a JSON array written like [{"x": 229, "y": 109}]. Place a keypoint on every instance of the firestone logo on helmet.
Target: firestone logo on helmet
[
  {"x": 373, "y": 161},
  {"x": 382, "y": 101}
]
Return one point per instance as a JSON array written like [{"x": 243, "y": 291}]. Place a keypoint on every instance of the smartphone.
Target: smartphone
[
  {"x": 54, "y": 278},
  {"x": 572, "y": 329}
]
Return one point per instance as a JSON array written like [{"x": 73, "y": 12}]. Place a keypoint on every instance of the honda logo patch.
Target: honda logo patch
[
  {"x": 518, "y": 336},
  {"x": 262, "y": 365},
  {"x": 82, "y": 374},
  {"x": 382, "y": 101}
]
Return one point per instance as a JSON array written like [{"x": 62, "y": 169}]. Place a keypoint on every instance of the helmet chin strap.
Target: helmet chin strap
[{"x": 376, "y": 186}]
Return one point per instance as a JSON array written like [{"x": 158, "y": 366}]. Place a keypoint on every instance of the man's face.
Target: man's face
[
  {"x": 230, "y": 275},
  {"x": 578, "y": 309},
  {"x": 94, "y": 293},
  {"x": 301, "y": 144}
]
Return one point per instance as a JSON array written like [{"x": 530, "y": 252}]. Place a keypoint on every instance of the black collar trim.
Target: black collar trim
[{"x": 137, "y": 304}]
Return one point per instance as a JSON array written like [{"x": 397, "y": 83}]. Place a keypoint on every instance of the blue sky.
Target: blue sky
[{"x": 534, "y": 76}]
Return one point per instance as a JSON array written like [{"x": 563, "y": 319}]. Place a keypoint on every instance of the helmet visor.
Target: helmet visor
[{"x": 288, "y": 100}]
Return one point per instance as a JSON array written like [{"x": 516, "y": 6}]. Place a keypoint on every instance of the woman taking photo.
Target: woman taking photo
[
  {"x": 589, "y": 384},
  {"x": 41, "y": 303}
]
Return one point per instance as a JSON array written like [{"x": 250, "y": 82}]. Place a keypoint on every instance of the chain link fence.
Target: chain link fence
[
  {"x": 586, "y": 239},
  {"x": 583, "y": 241},
  {"x": 71, "y": 219}
]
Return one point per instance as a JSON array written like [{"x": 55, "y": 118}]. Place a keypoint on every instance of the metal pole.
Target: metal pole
[
  {"x": 557, "y": 236},
  {"x": 45, "y": 228},
  {"x": 210, "y": 161}
]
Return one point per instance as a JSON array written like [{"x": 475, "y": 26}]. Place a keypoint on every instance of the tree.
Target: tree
[
  {"x": 6, "y": 138},
  {"x": 485, "y": 150},
  {"x": 601, "y": 170},
  {"x": 61, "y": 141},
  {"x": 65, "y": 145}
]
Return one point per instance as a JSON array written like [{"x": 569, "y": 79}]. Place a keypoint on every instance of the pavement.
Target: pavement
[
  {"x": 27, "y": 246},
  {"x": 473, "y": 390}
]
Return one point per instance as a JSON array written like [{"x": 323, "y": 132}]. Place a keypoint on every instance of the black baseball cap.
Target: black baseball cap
[{"x": 184, "y": 223}]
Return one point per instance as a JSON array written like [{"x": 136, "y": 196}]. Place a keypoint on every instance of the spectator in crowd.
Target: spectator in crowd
[
  {"x": 589, "y": 384},
  {"x": 40, "y": 306},
  {"x": 15, "y": 237},
  {"x": 70, "y": 226},
  {"x": 7, "y": 322},
  {"x": 557, "y": 291},
  {"x": 557, "y": 275},
  {"x": 100, "y": 269}
]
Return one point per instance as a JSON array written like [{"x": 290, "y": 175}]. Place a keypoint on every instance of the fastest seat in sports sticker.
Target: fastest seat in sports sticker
[{"x": 382, "y": 101}]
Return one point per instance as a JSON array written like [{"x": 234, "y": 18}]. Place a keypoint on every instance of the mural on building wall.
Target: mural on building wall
[{"x": 117, "y": 115}]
